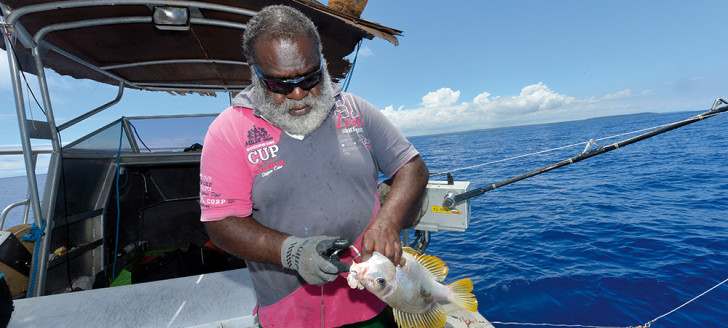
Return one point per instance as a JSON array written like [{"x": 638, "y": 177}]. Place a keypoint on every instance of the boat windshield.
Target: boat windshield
[{"x": 149, "y": 134}]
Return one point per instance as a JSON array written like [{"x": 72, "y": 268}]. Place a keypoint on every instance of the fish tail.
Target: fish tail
[{"x": 460, "y": 295}]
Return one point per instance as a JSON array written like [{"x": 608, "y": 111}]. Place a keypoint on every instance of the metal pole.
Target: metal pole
[
  {"x": 24, "y": 136},
  {"x": 94, "y": 111},
  {"x": 52, "y": 179},
  {"x": 25, "y": 142}
]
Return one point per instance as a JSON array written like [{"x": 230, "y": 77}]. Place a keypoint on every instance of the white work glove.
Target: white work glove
[{"x": 314, "y": 257}]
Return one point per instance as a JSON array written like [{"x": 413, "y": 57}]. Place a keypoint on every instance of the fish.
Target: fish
[{"x": 413, "y": 290}]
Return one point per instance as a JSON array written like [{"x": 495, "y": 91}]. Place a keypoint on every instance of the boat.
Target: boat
[{"x": 118, "y": 241}]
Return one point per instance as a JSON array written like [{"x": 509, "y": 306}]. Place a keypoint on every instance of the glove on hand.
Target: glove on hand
[{"x": 314, "y": 257}]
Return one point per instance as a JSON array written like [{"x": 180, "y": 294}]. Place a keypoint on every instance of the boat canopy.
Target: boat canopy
[
  {"x": 176, "y": 46},
  {"x": 157, "y": 45}
]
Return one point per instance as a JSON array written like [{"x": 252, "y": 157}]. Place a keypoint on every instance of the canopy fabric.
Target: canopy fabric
[{"x": 204, "y": 59}]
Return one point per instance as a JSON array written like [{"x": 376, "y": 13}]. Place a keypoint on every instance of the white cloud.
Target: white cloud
[
  {"x": 536, "y": 103},
  {"x": 366, "y": 52},
  {"x": 442, "y": 97},
  {"x": 533, "y": 98},
  {"x": 481, "y": 98},
  {"x": 14, "y": 165},
  {"x": 618, "y": 94}
]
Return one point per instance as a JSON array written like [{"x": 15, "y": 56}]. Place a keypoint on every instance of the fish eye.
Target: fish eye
[{"x": 381, "y": 281}]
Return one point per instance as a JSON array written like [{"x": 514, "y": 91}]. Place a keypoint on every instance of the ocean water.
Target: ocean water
[
  {"x": 14, "y": 190},
  {"x": 616, "y": 240}
]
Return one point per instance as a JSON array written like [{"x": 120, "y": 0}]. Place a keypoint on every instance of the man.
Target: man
[{"x": 288, "y": 175}]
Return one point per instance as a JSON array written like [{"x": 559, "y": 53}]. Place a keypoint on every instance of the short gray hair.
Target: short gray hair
[{"x": 275, "y": 23}]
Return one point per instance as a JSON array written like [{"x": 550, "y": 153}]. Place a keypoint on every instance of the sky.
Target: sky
[{"x": 466, "y": 65}]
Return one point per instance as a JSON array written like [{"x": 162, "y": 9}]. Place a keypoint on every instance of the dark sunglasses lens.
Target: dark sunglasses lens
[
  {"x": 279, "y": 87},
  {"x": 283, "y": 87},
  {"x": 310, "y": 81}
]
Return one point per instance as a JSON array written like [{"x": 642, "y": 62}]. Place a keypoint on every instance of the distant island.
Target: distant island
[{"x": 540, "y": 124}]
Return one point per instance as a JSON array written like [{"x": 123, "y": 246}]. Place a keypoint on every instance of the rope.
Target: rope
[
  {"x": 138, "y": 137},
  {"x": 347, "y": 80},
  {"x": 35, "y": 235},
  {"x": 646, "y": 325}
]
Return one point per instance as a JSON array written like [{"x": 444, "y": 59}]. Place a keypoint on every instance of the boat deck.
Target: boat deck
[
  {"x": 221, "y": 299},
  {"x": 459, "y": 318}
]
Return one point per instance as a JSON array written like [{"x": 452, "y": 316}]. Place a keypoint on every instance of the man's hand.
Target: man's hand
[
  {"x": 383, "y": 238},
  {"x": 382, "y": 234},
  {"x": 314, "y": 258}
]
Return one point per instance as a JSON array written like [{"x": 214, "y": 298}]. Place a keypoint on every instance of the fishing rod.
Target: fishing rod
[{"x": 451, "y": 199}]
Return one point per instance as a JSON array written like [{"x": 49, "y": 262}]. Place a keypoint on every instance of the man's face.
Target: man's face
[{"x": 299, "y": 111}]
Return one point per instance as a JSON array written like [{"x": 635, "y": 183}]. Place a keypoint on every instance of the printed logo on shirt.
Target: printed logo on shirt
[
  {"x": 346, "y": 117},
  {"x": 209, "y": 198},
  {"x": 264, "y": 158},
  {"x": 262, "y": 154},
  {"x": 261, "y": 151},
  {"x": 205, "y": 183},
  {"x": 365, "y": 142},
  {"x": 350, "y": 126},
  {"x": 257, "y": 135},
  {"x": 268, "y": 167}
]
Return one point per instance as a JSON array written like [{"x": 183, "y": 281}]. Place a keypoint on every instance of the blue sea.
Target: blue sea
[{"x": 616, "y": 240}]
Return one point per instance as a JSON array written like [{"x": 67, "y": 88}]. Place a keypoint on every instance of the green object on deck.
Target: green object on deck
[{"x": 123, "y": 279}]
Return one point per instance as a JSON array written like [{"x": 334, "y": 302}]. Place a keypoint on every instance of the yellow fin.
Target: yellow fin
[
  {"x": 410, "y": 251},
  {"x": 434, "y": 265},
  {"x": 433, "y": 318},
  {"x": 461, "y": 295}
]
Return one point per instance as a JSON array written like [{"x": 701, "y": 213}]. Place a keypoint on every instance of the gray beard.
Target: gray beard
[{"x": 279, "y": 116}]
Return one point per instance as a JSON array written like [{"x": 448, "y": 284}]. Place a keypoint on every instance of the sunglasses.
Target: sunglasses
[{"x": 286, "y": 86}]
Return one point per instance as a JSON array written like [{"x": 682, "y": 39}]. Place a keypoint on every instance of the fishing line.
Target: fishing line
[
  {"x": 451, "y": 200},
  {"x": 649, "y": 323},
  {"x": 22, "y": 72},
  {"x": 646, "y": 325},
  {"x": 358, "y": 254},
  {"x": 65, "y": 211},
  {"x": 322, "y": 306},
  {"x": 550, "y": 325},
  {"x": 555, "y": 149},
  {"x": 322, "y": 287}
]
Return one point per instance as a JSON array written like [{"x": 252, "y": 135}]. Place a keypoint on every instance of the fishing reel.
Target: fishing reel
[{"x": 431, "y": 213}]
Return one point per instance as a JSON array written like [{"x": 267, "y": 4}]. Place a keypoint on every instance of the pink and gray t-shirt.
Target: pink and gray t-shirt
[{"x": 324, "y": 184}]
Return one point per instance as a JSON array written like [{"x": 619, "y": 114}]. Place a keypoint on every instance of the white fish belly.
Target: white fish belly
[{"x": 416, "y": 290}]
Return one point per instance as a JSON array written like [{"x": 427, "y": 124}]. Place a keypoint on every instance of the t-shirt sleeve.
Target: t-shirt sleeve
[
  {"x": 389, "y": 148},
  {"x": 225, "y": 179}
]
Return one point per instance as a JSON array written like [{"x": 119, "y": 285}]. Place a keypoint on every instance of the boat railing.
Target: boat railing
[
  {"x": 26, "y": 201},
  {"x": 5, "y": 212}
]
